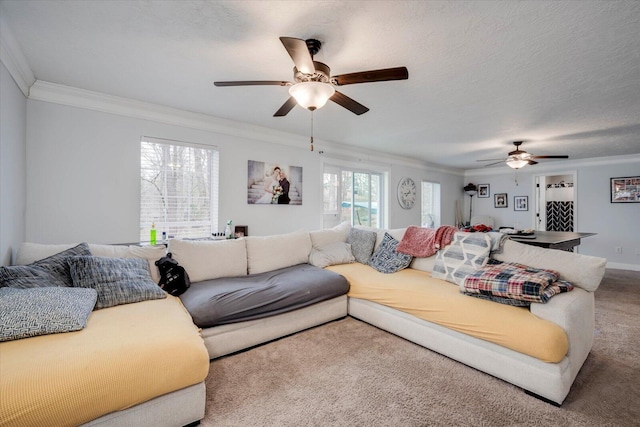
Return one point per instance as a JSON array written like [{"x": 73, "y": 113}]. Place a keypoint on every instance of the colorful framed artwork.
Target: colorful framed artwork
[
  {"x": 500, "y": 200},
  {"x": 483, "y": 191},
  {"x": 625, "y": 189},
  {"x": 520, "y": 203}
]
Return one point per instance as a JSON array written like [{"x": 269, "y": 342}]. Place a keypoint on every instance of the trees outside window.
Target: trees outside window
[{"x": 178, "y": 189}]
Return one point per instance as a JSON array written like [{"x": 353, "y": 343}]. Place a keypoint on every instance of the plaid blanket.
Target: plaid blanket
[{"x": 514, "y": 284}]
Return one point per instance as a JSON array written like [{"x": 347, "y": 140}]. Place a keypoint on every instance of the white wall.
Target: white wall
[
  {"x": 83, "y": 177},
  {"x": 616, "y": 224},
  {"x": 13, "y": 125}
]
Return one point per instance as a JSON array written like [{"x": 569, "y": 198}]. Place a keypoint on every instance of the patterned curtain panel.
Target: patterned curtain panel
[{"x": 559, "y": 216}]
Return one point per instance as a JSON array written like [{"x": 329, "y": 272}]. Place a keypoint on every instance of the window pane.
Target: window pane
[
  {"x": 178, "y": 189},
  {"x": 330, "y": 193},
  {"x": 430, "y": 204},
  {"x": 347, "y": 195}
]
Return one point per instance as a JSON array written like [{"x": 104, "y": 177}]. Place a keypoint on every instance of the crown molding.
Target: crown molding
[
  {"x": 81, "y": 98},
  {"x": 555, "y": 166},
  {"x": 12, "y": 57}
]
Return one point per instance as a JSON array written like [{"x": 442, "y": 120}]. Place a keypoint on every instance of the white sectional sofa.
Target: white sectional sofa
[{"x": 572, "y": 313}]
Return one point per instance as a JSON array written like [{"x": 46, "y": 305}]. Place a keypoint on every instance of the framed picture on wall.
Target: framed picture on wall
[
  {"x": 273, "y": 184},
  {"x": 483, "y": 191},
  {"x": 520, "y": 203},
  {"x": 500, "y": 200},
  {"x": 625, "y": 189}
]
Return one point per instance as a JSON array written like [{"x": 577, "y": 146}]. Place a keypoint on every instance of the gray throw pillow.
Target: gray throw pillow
[
  {"x": 31, "y": 312},
  {"x": 386, "y": 259},
  {"x": 50, "y": 271},
  {"x": 117, "y": 280},
  {"x": 362, "y": 243}
]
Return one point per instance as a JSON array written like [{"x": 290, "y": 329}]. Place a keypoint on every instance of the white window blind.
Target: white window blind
[{"x": 178, "y": 189}]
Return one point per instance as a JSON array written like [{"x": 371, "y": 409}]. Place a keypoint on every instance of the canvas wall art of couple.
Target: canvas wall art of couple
[{"x": 270, "y": 183}]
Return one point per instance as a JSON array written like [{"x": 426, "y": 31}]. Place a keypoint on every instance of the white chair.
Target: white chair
[{"x": 482, "y": 219}]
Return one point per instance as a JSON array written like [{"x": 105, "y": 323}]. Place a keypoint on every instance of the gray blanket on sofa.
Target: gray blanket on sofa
[{"x": 236, "y": 299}]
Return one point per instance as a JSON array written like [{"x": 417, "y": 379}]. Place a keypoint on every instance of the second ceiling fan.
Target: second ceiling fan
[
  {"x": 518, "y": 158},
  {"x": 313, "y": 84}
]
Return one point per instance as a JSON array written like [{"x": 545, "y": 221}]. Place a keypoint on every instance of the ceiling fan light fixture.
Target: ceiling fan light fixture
[
  {"x": 516, "y": 162},
  {"x": 312, "y": 95}
]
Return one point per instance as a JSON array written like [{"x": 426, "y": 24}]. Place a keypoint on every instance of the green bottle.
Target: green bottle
[{"x": 153, "y": 234}]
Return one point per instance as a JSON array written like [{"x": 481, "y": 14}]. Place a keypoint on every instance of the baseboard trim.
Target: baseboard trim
[{"x": 620, "y": 266}]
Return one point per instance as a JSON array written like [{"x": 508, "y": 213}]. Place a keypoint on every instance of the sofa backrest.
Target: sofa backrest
[
  {"x": 31, "y": 252},
  {"x": 210, "y": 259},
  {"x": 584, "y": 271},
  {"x": 267, "y": 253}
]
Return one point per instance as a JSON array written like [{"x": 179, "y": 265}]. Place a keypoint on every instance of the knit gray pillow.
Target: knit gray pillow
[
  {"x": 386, "y": 259},
  {"x": 117, "y": 280},
  {"x": 50, "y": 271},
  {"x": 362, "y": 243},
  {"x": 31, "y": 312}
]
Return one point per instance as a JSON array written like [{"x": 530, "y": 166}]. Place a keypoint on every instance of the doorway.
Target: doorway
[{"x": 555, "y": 202}]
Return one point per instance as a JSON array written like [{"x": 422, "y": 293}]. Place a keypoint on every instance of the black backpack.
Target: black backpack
[{"x": 173, "y": 277}]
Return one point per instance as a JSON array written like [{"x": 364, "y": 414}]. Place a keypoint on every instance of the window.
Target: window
[
  {"x": 178, "y": 188},
  {"x": 354, "y": 196},
  {"x": 430, "y": 204}
]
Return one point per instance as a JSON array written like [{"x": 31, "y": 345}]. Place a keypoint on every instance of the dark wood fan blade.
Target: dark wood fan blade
[
  {"x": 299, "y": 53},
  {"x": 348, "y": 103},
  {"x": 286, "y": 107},
  {"x": 489, "y": 160},
  {"x": 533, "y": 162},
  {"x": 494, "y": 163},
  {"x": 399, "y": 73},
  {"x": 254, "y": 83},
  {"x": 549, "y": 157}
]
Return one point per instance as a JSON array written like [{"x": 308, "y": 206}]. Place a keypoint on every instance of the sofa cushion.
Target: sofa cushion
[
  {"x": 583, "y": 271},
  {"x": 386, "y": 259},
  {"x": 117, "y": 280},
  {"x": 50, "y": 271},
  {"x": 339, "y": 233},
  {"x": 467, "y": 253},
  {"x": 32, "y": 312},
  {"x": 362, "y": 243},
  {"x": 331, "y": 254},
  {"x": 396, "y": 233},
  {"x": 266, "y": 253},
  {"x": 210, "y": 259}
]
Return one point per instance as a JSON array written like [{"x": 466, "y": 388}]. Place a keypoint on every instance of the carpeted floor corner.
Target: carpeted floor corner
[{"x": 349, "y": 373}]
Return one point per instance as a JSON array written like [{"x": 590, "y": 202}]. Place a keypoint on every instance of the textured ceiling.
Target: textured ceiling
[{"x": 563, "y": 76}]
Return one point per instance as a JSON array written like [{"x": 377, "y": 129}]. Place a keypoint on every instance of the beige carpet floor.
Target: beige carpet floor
[{"x": 349, "y": 373}]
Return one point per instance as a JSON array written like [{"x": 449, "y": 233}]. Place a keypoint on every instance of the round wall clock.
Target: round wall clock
[{"x": 406, "y": 193}]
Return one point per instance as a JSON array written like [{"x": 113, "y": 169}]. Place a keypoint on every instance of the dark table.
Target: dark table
[{"x": 563, "y": 240}]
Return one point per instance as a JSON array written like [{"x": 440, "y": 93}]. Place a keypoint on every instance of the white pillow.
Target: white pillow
[
  {"x": 466, "y": 253},
  {"x": 210, "y": 259},
  {"x": 268, "y": 253},
  {"x": 339, "y": 233},
  {"x": 331, "y": 254},
  {"x": 584, "y": 271}
]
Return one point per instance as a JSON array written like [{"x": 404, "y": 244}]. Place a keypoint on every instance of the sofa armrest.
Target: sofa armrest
[{"x": 574, "y": 312}]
